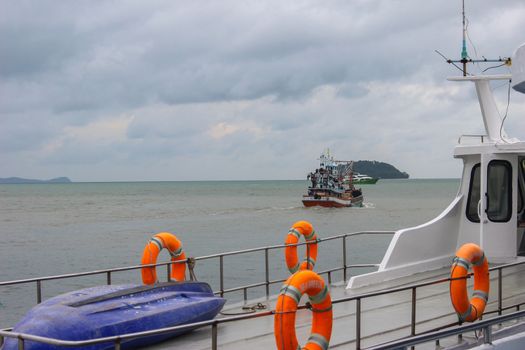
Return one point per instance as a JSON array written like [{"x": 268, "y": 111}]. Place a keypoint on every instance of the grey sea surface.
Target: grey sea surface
[{"x": 52, "y": 229}]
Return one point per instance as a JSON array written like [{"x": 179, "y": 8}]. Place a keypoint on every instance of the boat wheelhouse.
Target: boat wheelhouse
[
  {"x": 332, "y": 185},
  {"x": 488, "y": 209}
]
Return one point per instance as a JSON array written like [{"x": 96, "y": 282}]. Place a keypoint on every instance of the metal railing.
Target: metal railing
[
  {"x": 484, "y": 325},
  {"x": 413, "y": 289},
  {"x": 482, "y": 138},
  {"x": 117, "y": 340},
  {"x": 221, "y": 257}
]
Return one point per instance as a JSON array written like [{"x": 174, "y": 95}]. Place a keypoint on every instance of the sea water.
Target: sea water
[{"x": 53, "y": 229}]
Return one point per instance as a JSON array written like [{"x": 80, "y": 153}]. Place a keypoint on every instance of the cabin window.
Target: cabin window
[
  {"x": 499, "y": 191},
  {"x": 520, "y": 187},
  {"x": 520, "y": 197},
  {"x": 473, "y": 194}
]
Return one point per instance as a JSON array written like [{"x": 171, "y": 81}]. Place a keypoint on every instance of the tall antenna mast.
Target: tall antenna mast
[{"x": 464, "y": 54}]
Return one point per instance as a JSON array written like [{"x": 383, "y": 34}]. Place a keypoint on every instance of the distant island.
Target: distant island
[
  {"x": 19, "y": 180},
  {"x": 378, "y": 169}
]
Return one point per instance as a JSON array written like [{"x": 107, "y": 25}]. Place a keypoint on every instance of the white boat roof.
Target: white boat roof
[{"x": 517, "y": 147}]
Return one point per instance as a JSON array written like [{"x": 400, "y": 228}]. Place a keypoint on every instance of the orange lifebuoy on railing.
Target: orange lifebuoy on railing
[
  {"x": 292, "y": 262},
  {"x": 286, "y": 307},
  {"x": 469, "y": 310},
  {"x": 151, "y": 252}
]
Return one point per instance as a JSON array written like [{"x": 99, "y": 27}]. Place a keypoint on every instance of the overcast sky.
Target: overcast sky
[{"x": 233, "y": 90}]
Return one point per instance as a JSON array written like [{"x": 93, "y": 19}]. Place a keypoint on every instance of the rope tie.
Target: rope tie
[
  {"x": 310, "y": 236},
  {"x": 258, "y": 306},
  {"x": 313, "y": 309},
  {"x": 176, "y": 253},
  {"x": 294, "y": 232},
  {"x": 275, "y": 312},
  {"x": 191, "y": 262},
  {"x": 248, "y": 309},
  {"x": 480, "y": 260}
]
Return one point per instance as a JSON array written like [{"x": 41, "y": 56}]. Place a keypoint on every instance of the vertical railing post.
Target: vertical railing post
[
  {"x": 1, "y": 340},
  {"x": 344, "y": 258},
  {"x": 214, "y": 336},
  {"x": 21, "y": 344},
  {"x": 221, "y": 274},
  {"x": 267, "y": 272},
  {"x": 168, "y": 271},
  {"x": 413, "y": 320},
  {"x": 308, "y": 255},
  {"x": 38, "y": 292},
  {"x": 487, "y": 334},
  {"x": 358, "y": 324},
  {"x": 245, "y": 294},
  {"x": 500, "y": 291},
  {"x": 117, "y": 344},
  {"x": 108, "y": 278}
]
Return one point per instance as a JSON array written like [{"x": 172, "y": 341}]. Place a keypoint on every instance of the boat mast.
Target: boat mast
[{"x": 464, "y": 54}]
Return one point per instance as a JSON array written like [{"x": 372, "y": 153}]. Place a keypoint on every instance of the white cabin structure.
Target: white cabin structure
[{"x": 489, "y": 207}]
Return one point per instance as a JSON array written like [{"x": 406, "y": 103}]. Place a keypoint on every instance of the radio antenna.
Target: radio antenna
[{"x": 464, "y": 54}]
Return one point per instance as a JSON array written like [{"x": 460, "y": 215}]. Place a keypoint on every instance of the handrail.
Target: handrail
[
  {"x": 280, "y": 246},
  {"x": 214, "y": 323},
  {"x": 205, "y": 257},
  {"x": 485, "y": 325},
  {"x": 481, "y": 137},
  {"x": 118, "y": 339},
  {"x": 87, "y": 273},
  {"x": 220, "y": 256}
]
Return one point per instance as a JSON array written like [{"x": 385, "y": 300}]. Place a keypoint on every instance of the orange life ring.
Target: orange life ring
[
  {"x": 292, "y": 262},
  {"x": 469, "y": 310},
  {"x": 151, "y": 252},
  {"x": 308, "y": 282}
]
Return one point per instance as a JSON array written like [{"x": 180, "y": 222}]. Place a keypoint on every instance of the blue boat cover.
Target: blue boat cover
[{"x": 110, "y": 310}]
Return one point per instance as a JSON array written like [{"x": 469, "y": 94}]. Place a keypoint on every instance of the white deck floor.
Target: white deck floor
[{"x": 384, "y": 318}]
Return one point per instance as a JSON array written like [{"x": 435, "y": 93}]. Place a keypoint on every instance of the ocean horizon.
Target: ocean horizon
[{"x": 215, "y": 180}]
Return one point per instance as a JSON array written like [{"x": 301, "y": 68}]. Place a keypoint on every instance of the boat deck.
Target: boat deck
[{"x": 383, "y": 318}]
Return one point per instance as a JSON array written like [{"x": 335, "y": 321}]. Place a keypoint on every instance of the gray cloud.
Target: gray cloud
[{"x": 105, "y": 90}]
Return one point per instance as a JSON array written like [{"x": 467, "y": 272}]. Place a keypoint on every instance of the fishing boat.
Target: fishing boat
[
  {"x": 331, "y": 184},
  {"x": 362, "y": 179},
  {"x": 414, "y": 297}
]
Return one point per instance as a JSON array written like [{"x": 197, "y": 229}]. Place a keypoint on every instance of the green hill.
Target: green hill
[
  {"x": 378, "y": 169},
  {"x": 19, "y": 180}
]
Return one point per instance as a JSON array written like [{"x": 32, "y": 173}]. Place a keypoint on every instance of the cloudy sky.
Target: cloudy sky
[{"x": 226, "y": 90}]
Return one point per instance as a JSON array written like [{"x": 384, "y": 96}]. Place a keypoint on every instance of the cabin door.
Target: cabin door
[
  {"x": 497, "y": 208},
  {"x": 521, "y": 206}
]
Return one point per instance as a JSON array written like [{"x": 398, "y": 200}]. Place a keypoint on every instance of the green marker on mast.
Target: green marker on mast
[{"x": 464, "y": 54}]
